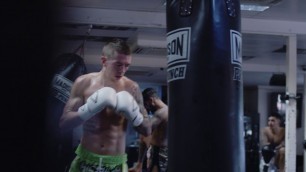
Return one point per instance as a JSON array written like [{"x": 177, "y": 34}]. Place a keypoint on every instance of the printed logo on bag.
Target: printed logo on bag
[
  {"x": 236, "y": 47},
  {"x": 178, "y": 45},
  {"x": 237, "y": 74},
  {"x": 236, "y": 54},
  {"x": 178, "y": 53},
  {"x": 176, "y": 72},
  {"x": 61, "y": 88}
]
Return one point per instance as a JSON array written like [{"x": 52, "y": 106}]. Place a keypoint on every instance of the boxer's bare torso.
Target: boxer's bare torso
[
  {"x": 275, "y": 137},
  {"x": 273, "y": 133},
  {"x": 105, "y": 132}
]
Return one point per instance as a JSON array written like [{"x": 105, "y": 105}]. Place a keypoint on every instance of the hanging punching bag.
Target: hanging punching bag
[
  {"x": 66, "y": 68},
  {"x": 205, "y": 86}
]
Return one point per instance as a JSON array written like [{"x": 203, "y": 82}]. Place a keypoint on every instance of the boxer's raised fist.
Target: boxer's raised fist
[
  {"x": 104, "y": 97},
  {"x": 127, "y": 104}
]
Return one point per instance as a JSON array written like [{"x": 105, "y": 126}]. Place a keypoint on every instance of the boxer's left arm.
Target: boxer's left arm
[
  {"x": 139, "y": 117},
  {"x": 146, "y": 127}
]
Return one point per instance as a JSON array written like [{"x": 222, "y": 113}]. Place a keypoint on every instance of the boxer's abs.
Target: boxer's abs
[{"x": 106, "y": 140}]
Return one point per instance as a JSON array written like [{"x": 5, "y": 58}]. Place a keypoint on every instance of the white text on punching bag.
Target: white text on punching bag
[
  {"x": 237, "y": 74},
  {"x": 178, "y": 45},
  {"x": 61, "y": 87},
  {"x": 176, "y": 72},
  {"x": 236, "y": 54},
  {"x": 178, "y": 52},
  {"x": 175, "y": 47}
]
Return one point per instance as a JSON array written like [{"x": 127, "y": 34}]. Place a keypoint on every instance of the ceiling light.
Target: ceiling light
[
  {"x": 257, "y": 5},
  {"x": 246, "y": 7}
]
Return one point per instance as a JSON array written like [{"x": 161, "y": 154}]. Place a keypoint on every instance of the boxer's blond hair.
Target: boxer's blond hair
[{"x": 112, "y": 48}]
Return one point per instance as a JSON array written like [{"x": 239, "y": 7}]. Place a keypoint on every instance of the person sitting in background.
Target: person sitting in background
[{"x": 273, "y": 138}]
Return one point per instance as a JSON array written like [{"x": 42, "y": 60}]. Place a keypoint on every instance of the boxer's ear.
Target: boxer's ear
[
  {"x": 103, "y": 60},
  {"x": 152, "y": 99}
]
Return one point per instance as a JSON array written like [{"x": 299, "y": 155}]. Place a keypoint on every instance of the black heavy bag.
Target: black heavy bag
[
  {"x": 205, "y": 86},
  {"x": 66, "y": 68}
]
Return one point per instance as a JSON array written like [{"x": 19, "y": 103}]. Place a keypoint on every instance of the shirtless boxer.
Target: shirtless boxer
[
  {"x": 274, "y": 137},
  {"x": 104, "y": 102},
  {"x": 158, "y": 151}
]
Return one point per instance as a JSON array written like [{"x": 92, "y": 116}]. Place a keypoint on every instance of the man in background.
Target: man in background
[
  {"x": 154, "y": 146},
  {"x": 273, "y": 138}
]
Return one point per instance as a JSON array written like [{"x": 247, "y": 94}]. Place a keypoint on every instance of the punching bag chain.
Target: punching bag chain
[
  {"x": 185, "y": 7},
  {"x": 81, "y": 47}
]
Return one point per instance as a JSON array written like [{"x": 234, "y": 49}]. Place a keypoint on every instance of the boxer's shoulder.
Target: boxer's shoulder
[
  {"x": 130, "y": 85},
  {"x": 86, "y": 78}
]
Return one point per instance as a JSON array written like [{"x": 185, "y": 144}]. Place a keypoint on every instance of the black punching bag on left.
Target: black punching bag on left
[
  {"x": 205, "y": 86},
  {"x": 59, "y": 145}
]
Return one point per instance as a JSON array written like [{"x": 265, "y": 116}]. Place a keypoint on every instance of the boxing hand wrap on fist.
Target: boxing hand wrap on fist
[
  {"x": 104, "y": 97},
  {"x": 127, "y": 104}
]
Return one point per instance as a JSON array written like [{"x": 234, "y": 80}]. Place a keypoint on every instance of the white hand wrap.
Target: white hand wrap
[
  {"x": 127, "y": 104},
  {"x": 105, "y": 97}
]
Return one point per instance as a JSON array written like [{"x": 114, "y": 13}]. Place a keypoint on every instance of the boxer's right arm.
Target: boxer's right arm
[
  {"x": 70, "y": 116},
  {"x": 105, "y": 97},
  {"x": 76, "y": 112}
]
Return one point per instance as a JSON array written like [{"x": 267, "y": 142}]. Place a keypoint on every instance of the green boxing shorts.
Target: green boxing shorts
[{"x": 86, "y": 161}]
